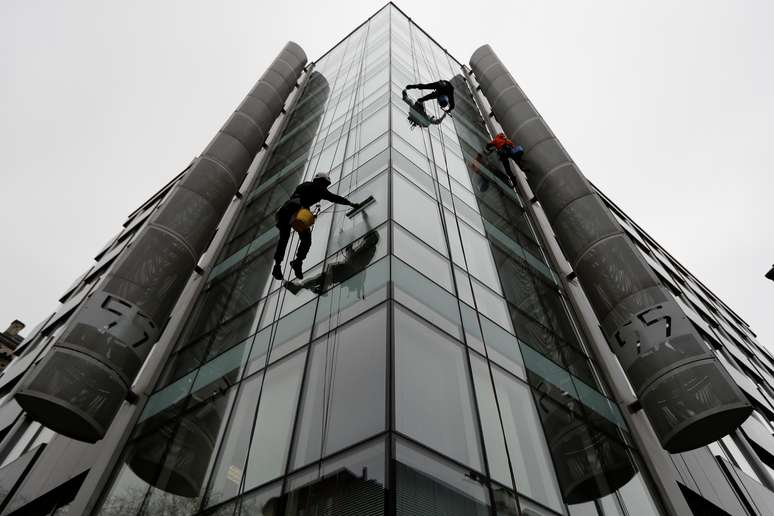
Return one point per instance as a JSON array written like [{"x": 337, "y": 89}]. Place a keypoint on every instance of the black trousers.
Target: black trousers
[
  {"x": 284, "y": 216},
  {"x": 433, "y": 95}
]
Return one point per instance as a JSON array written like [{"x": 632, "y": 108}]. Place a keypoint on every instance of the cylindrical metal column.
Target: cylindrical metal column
[
  {"x": 689, "y": 398},
  {"x": 79, "y": 385},
  {"x": 654, "y": 457}
]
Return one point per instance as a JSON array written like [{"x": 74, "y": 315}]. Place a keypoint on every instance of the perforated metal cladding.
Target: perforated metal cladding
[
  {"x": 143, "y": 286},
  {"x": 152, "y": 272},
  {"x": 696, "y": 400},
  {"x": 656, "y": 345},
  {"x": 208, "y": 179},
  {"x": 75, "y": 391},
  {"x": 566, "y": 185},
  {"x": 184, "y": 214},
  {"x": 610, "y": 272},
  {"x": 582, "y": 228}
]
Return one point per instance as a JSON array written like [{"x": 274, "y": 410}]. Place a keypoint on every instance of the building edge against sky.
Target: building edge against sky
[{"x": 450, "y": 301}]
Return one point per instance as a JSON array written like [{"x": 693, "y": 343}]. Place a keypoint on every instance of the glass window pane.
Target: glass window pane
[
  {"x": 499, "y": 468},
  {"x": 416, "y": 157},
  {"x": 167, "y": 397},
  {"x": 424, "y": 297},
  {"x": 292, "y": 331},
  {"x": 583, "y": 509},
  {"x": 422, "y": 257},
  {"x": 366, "y": 170},
  {"x": 420, "y": 177},
  {"x": 532, "y": 509},
  {"x": 175, "y": 459},
  {"x": 492, "y": 305},
  {"x": 228, "y": 469},
  {"x": 418, "y": 213},
  {"x": 344, "y": 231},
  {"x": 352, "y": 297},
  {"x": 271, "y": 434},
  {"x": 260, "y": 502},
  {"x": 611, "y": 506},
  {"x": 464, "y": 289},
  {"x": 432, "y": 394},
  {"x": 126, "y": 494},
  {"x": 426, "y": 484},
  {"x": 454, "y": 240},
  {"x": 374, "y": 126},
  {"x": 473, "y": 336},
  {"x": 530, "y": 460},
  {"x": 344, "y": 396},
  {"x": 637, "y": 498},
  {"x": 352, "y": 483},
  {"x": 222, "y": 371},
  {"x": 259, "y": 352},
  {"x": 502, "y": 348},
  {"x": 480, "y": 261},
  {"x": 233, "y": 331},
  {"x": 372, "y": 149},
  {"x": 458, "y": 170}
]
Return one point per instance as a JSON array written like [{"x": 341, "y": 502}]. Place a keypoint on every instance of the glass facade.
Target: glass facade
[{"x": 427, "y": 364}]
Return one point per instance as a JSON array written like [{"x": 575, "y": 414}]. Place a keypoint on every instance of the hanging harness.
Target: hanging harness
[{"x": 304, "y": 219}]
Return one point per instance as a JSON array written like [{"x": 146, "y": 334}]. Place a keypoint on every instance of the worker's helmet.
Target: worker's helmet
[
  {"x": 323, "y": 176},
  {"x": 443, "y": 101}
]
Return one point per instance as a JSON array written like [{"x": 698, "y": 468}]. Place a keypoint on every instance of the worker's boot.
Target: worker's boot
[
  {"x": 297, "y": 265},
  {"x": 277, "y": 271}
]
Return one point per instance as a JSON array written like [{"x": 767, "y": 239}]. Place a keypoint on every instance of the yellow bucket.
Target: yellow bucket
[{"x": 302, "y": 220}]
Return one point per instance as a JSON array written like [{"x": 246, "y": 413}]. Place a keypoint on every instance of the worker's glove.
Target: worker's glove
[
  {"x": 355, "y": 205},
  {"x": 411, "y": 87}
]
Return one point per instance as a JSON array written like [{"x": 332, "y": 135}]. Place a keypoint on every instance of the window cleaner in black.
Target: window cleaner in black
[
  {"x": 443, "y": 91},
  {"x": 295, "y": 214}
]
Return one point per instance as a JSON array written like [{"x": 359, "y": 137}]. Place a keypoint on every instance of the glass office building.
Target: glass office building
[{"x": 430, "y": 362}]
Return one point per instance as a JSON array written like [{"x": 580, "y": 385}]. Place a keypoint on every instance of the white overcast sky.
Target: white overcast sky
[{"x": 667, "y": 106}]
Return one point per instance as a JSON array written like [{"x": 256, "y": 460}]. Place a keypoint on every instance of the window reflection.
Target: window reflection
[
  {"x": 531, "y": 463},
  {"x": 590, "y": 461},
  {"x": 354, "y": 296},
  {"x": 352, "y": 483},
  {"x": 432, "y": 394},
  {"x": 355, "y": 257},
  {"x": 427, "y": 484},
  {"x": 271, "y": 432},
  {"x": 418, "y": 213},
  {"x": 423, "y": 258},
  {"x": 228, "y": 470},
  {"x": 422, "y": 296},
  {"x": 346, "y": 230},
  {"x": 344, "y": 396},
  {"x": 499, "y": 467},
  {"x": 174, "y": 458}
]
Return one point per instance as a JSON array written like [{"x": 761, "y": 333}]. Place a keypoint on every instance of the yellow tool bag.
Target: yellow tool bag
[{"x": 302, "y": 220}]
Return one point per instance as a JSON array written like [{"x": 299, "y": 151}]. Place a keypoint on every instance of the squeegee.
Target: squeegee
[{"x": 363, "y": 205}]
